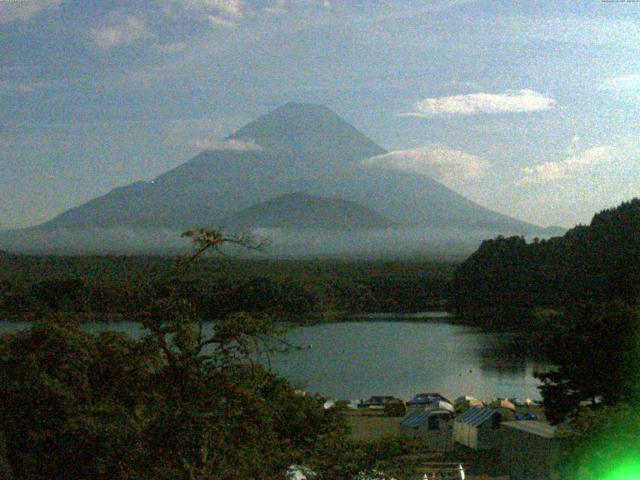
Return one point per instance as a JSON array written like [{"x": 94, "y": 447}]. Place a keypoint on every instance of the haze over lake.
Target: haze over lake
[{"x": 393, "y": 355}]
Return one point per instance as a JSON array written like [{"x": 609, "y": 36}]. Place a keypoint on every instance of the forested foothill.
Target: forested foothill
[{"x": 503, "y": 283}]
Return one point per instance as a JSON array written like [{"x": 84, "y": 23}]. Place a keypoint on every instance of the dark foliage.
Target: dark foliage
[
  {"x": 506, "y": 278},
  {"x": 183, "y": 402},
  {"x": 597, "y": 351},
  {"x": 118, "y": 287}
]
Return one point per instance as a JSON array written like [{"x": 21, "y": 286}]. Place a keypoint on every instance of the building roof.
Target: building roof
[
  {"x": 424, "y": 398},
  {"x": 476, "y": 416},
  {"x": 416, "y": 419},
  {"x": 533, "y": 427}
]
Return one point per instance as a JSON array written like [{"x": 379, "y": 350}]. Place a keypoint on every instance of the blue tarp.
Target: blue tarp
[{"x": 527, "y": 416}]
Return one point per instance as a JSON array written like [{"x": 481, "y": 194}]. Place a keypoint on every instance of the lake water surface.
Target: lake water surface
[{"x": 394, "y": 355}]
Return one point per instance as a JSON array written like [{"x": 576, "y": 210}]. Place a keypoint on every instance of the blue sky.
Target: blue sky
[{"x": 529, "y": 108}]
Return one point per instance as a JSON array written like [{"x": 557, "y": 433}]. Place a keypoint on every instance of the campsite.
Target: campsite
[{"x": 490, "y": 443}]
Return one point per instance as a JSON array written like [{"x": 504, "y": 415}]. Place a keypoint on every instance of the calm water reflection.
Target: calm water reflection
[
  {"x": 393, "y": 356},
  {"x": 357, "y": 360}
]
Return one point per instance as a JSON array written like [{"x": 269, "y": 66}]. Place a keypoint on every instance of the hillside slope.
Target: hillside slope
[
  {"x": 506, "y": 278},
  {"x": 300, "y": 211}
]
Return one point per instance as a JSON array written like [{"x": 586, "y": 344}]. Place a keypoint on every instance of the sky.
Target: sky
[{"x": 528, "y": 108}]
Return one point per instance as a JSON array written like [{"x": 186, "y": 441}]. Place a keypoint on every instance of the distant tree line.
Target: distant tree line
[{"x": 305, "y": 292}]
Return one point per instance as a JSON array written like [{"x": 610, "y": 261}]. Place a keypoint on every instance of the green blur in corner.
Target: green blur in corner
[
  {"x": 606, "y": 446},
  {"x": 626, "y": 471}
]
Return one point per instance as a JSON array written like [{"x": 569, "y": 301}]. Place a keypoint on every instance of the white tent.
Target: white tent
[
  {"x": 503, "y": 403},
  {"x": 466, "y": 401},
  {"x": 441, "y": 405}
]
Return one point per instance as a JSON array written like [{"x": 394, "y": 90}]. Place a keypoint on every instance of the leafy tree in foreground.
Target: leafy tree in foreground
[
  {"x": 186, "y": 401},
  {"x": 597, "y": 350},
  {"x": 69, "y": 401}
]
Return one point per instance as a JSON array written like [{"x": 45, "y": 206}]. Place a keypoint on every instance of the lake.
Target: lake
[{"x": 396, "y": 355}]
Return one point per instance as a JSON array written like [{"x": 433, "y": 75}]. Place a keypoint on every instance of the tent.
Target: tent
[
  {"x": 467, "y": 401},
  {"x": 503, "y": 403}
]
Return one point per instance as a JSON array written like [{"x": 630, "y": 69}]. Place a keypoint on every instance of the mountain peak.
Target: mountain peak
[
  {"x": 304, "y": 148},
  {"x": 304, "y": 106},
  {"x": 308, "y": 127}
]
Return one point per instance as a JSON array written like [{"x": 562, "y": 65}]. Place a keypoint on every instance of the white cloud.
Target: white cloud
[
  {"x": 574, "y": 145},
  {"x": 10, "y": 88},
  {"x": 122, "y": 32},
  {"x": 581, "y": 29},
  {"x": 216, "y": 20},
  {"x": 623, "y": 82},
  {"x": 624, "y": 87},
  {"x": 438, "y": 161},
  {"x": 570, "y": 166},
  {"x": 17, "y": 10},
  {"x": 229, "y": 8},
  {"x": 212, "y": 144},
  {"x": 217, "y": 12},
  {"x": 509, "y": 101},
  {"x": 279, "y": 7}
]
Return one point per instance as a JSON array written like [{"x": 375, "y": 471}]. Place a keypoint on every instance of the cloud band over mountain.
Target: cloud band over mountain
[
  {"x": 233, "y": 144},
  {"x": 438, "y": 161}
]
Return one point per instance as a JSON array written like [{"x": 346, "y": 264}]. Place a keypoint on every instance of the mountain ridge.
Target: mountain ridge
[{"x": 294, "y": 148}]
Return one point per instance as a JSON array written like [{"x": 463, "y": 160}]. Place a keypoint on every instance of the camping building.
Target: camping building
[
  {"x": 433, "y": 426},
  {"x": 478, "y": 428},
  {"x": 529, "y": 449}
]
